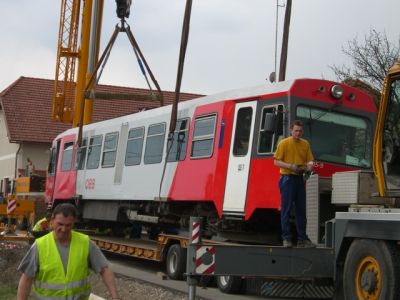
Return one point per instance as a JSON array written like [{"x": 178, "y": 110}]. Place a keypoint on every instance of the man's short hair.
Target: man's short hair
[
  {"x": 296, "y": 123},
  {"x": 67, "y": 209}
]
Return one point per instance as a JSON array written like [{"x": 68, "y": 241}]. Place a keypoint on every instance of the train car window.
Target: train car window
[
  {"x": 154, "y": 144},
  {"x": 134, "y": 147},
  {"x": 242, "y": 131},
  {"x": 349, "y": 140},
  {"x": 94, "y": 152},
  {"x": 110, "y": 149},
  {"x": 67, "y": 156},
  {"x": 81, "y": 155},
  {"x": 267, "y": 141},
  {"x": 177, "y": 151},
  {"x": 203, "y": 137},
  {"x": 53, "y": 161}
]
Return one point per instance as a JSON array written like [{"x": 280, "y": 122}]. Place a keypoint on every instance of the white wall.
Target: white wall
[
  {"x": 7, "y": 151},
  {"x": 38, "y": 153}
]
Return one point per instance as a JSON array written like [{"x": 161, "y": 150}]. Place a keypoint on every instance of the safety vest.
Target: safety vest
[
  {"x": 38, "y": 225},
  {"x": 51, "y": 282}
]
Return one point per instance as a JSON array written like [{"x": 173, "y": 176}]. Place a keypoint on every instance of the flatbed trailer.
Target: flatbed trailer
[{"x": 168, "y": 248}]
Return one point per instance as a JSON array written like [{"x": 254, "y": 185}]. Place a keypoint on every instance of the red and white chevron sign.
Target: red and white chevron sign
[
  {"x": 195, "y": 232},
  {"x": 11, "y": 205},
  {"x": 205, "y": 260}
]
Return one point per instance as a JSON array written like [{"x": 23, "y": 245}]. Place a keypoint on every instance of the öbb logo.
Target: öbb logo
[{"x": 90, "y": 183}]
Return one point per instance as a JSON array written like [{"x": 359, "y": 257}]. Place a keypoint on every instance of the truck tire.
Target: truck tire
[
  {"x": 371, "y": 271},
  {"x": 176, "y": 262},
  {"x": 229, "y": 284}
]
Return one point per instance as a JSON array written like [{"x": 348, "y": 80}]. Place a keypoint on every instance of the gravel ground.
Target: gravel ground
[
  {"x": 135, "y": 290},
  {"x": 11, "y": 254}
]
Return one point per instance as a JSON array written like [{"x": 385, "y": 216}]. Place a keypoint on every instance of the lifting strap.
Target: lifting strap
[
  {"x": 182, "y": 54},
  {"x": 174, "y": 113},
  {"x": 91, "y": 94}
]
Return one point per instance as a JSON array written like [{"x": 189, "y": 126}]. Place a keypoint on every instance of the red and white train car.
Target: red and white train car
[{"x": 219, "y": 162}]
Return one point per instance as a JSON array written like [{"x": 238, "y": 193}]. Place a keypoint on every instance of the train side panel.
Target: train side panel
[
  {"x": 121, "y": 182},
  {"x": 64, "y": 185},
  {"x": 203, "y": 179}
]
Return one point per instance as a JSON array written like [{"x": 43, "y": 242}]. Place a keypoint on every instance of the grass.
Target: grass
[{"x": 8, "y": 292}]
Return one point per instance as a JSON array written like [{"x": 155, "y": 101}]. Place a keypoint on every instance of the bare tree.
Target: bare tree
[{"x": 371, "y": 60}]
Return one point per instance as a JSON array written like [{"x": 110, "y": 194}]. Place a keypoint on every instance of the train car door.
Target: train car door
[{"x": 239, "y": 158}]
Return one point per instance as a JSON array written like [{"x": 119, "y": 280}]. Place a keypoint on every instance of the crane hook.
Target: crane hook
[{"x": 123, "y": 8}]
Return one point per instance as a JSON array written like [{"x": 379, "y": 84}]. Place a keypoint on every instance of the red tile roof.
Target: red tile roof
[{"x": 27, "y": 104}]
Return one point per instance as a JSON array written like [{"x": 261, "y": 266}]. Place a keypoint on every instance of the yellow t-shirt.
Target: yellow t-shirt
[{"x": 293, "y": 151}]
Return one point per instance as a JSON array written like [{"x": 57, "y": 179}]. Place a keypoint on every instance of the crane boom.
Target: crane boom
[{"x": 66, "y": 57}]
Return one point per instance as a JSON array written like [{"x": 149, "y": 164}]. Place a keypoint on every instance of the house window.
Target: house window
[
  {"x": 94, "y": 152},
  {"x": 179, "y": 141},
  {"x": 203, "y": 136},
  {"x": 154, "y": 143},
  {"x": 110, "y": 149},
  {"x": 67, "y": 156},
  {"x": 134, "y": 146}
]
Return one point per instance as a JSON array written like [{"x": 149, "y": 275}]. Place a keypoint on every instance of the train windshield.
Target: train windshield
[{"x": 336, "y": 137}]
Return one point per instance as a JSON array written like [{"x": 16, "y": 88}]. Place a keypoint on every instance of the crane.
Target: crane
[
  {"x": 72, "y": 102},
  {"x": 67, "y": 54}
]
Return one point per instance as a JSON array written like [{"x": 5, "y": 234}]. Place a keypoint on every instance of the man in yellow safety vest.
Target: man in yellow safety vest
[
  {"x": 57, "y": 264},
  {"x": 42, "y": 226}
]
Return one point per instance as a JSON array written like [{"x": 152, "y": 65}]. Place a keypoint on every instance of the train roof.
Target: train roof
[
  {"x": 242, "y": 93},
  {"x": 254, "y": 91}
]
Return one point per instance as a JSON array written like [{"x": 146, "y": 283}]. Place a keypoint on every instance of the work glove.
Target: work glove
[
  {"x": 307, "y": 174},
  {"x": 298, "y": 169}
]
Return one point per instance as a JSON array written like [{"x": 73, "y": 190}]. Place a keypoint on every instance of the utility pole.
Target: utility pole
[
  {"x": 273, "y": 76},
  {"x": 285, "y": 41}
]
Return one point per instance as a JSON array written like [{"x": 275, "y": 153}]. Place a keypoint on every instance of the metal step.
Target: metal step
[{"x": 290, "y": 289}]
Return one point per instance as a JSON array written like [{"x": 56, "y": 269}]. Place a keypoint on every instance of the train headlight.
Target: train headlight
[{"x": 336, "y": 91}]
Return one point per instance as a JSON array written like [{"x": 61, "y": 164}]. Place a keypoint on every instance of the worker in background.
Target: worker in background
[
  {"x": 294, "y": 157},
  {"x": 30, "y": 168},
  {"x": 42, "y": 226},
  {"x": 58, "y": 263}
]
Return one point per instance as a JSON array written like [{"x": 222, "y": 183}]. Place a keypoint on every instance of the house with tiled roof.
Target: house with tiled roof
[{"x": 26, "y": 127}]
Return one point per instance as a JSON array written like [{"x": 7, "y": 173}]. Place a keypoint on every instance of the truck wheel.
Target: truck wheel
[
  {"x": 371, "y": 271},
  {"x": 176, "y": 262},
  {"x": 229, "y": 284}
]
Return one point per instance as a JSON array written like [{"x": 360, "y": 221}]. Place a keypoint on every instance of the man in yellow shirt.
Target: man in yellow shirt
[{"x": 294, "y": 157}]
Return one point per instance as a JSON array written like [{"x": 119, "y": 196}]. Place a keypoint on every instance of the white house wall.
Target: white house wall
[{"x": 7, "y": 151}]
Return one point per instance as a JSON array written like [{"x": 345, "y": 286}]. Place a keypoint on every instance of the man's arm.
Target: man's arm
[
  {"x": 24, "y": 287},
  {"x": 109, "y": 280},
  {"x": 282, "y": 164}
]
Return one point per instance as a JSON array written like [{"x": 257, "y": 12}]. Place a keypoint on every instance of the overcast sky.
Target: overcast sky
[{"x": 231, "y": 44}]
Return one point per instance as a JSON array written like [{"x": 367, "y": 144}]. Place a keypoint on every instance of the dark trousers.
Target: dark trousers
[{"x": 293, "y": 193}]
